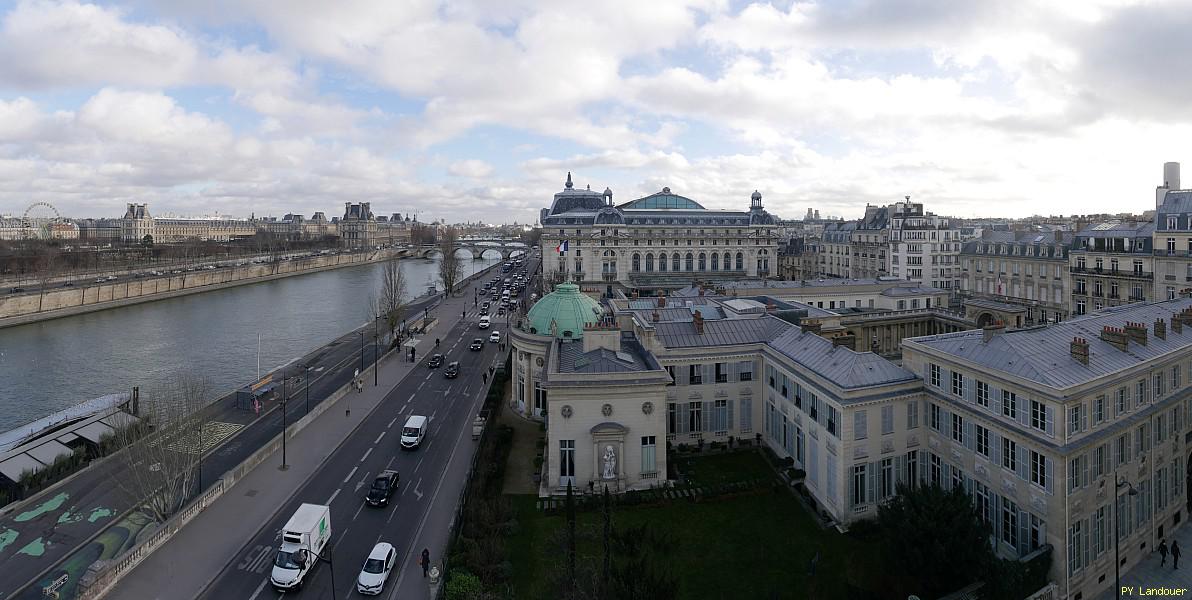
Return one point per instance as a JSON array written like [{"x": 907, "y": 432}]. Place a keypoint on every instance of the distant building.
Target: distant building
[
  {"x": 358, "y": 227},
  {"x": 924, "y": 247},
  {"x": 1111, "y": 264},
  {"x": 660, "y": 241},
  {"x": 1017, "y": 277}
]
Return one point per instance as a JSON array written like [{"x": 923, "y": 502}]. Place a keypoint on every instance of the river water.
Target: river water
[{"x": 52, "y": 365}]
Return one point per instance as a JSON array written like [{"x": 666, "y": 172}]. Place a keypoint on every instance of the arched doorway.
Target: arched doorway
[{"x": 985, "y": 319}]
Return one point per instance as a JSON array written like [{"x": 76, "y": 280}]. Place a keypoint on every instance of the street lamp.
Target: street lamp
[
  {"x": 284, "y": 466},
  {"x": 1117, "y": 562}
]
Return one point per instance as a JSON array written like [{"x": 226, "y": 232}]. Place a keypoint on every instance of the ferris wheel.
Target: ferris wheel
[{"x": 38, "y": 221}]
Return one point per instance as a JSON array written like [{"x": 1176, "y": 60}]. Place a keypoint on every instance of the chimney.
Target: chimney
[
  {"x": 698, "y": 320},
  {"x": 1137, "y": 332},
  {"x": 847, "y": 340},
  {"x": 811, "y": 327},
  {"x": 992, "y": 329},
  {"x": 771, "y": 307},
  {"x": 1161, "y": 329},
  {"x": 1116, "y": 337},
  {"x": 662, "y": 302},
  {"x": 1186, "y": 293},
  {"x": 1080, "y": 350},
  {"x": 655, "y": 316},
  {"x": 602, "y": 335},
  {"x": 1177, "y": 323},
  {"x": 1059, "y": 236},
  {"x": 701, "y": 290},
  {"x": 635, "y": 295}
]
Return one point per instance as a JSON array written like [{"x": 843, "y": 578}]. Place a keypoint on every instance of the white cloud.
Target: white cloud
[{"x": 470, "y": 168}]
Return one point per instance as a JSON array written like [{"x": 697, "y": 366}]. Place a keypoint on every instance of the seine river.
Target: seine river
[{"x": 56, "y": 364}]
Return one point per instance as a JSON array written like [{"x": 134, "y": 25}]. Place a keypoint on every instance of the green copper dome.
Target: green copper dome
[{"x": 566, "y": 310}]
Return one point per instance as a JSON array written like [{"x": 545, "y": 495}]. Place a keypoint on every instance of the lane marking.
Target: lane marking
[
  {"x": 357, "y": 512},
  {"x": 366, "y": 453},
  {"x": 350, "y": 474},
  {"x": 258, "y": 591},
  {"x": 332, "y": 498},
  {"x": 417, "y": 466},
  {"x": 378, "y": 440},
  {"x": 416, "y": 492},
  {"x": 390, "y": 425}
]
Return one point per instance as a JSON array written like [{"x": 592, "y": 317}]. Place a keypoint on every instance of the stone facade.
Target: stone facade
[
  {"x": 1111, "y": 264},
  {"x": 1017, "y": 277}
]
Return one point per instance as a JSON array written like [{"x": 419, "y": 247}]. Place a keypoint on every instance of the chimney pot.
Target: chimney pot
[
  {"x": 698, "y": 320},
  {"x": 992, "y": 329},
  {"x": 1161, "y": 329},
  {"x": 1079, "y": 350}
]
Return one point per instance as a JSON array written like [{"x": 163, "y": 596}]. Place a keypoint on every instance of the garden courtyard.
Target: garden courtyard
[{"x": 733, "y": 529}]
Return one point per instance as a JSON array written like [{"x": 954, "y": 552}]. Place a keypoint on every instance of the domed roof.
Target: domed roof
[{"x": 566, "y": 310}]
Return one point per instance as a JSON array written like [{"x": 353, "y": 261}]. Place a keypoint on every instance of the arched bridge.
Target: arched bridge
[{"x": 507, "y": 250}]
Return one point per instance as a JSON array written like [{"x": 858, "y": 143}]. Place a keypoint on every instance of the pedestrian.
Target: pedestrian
[
  {"x": 425, "y": 561},
  {"x": 1175, "y": 554},
  {"x": 1162, "y": 552}
]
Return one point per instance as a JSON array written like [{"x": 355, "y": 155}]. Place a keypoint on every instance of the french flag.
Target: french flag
[{"x": 562, "y": 247}]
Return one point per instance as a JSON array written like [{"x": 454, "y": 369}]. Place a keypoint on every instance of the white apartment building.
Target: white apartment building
[{"x": 924, "y": 247}]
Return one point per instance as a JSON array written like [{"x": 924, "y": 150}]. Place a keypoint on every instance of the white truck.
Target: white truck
[{"x": 302, "y": 542}]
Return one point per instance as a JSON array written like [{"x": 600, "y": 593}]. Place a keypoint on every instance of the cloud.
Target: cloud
[{"x": 470, "y": 168}]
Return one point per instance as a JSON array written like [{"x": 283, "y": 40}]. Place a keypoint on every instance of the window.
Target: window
[
  {"x": 1038, "y": 469},
  {"x": 745, "y": 370},
  {"x": 982, "y": 440},
  {"x": 1140, "y": 395},
  {"x": 935, "y": 375},
  {"x": 886, "y": 483},
  {"x": 1077, "y": 419},
  {"x": 695, "y": 416},
  {"x": 1122, "y": 402},
  {"x": 981, "y": 496},
  {"x": 1009, "y": 404},
  {"x": 1099, "y": 531},
  {"x": 1010, "y": 454},
  {"x": 670, "y": 370},
  {"x": 694, "y": 375},
  {"x": 1122, "y": 449},
  {"x": 887, "y": 420},
  {"x": 935, "y": 417},
  {"x": 1075, "y": 546},
  {"x": 912, "y": 467},
  {"x": 1099, "y": 410},
  {"x": 859, "y": 484},
  {"x": 833, "y": 421},
  {"x": 937, "y": 471},
  {"x": 957, "y": 384},
  {"x": 721, "y": 373},
  {"x": 957, "y": 428},
  {"x": 912, "y": 415},
  {"x": 649, "y": 450},
  {"x": 566, "y": 461},
  {"x": 1142, "y": 441},
  {"x": 1010, "y": 523},
  {"x": 982, "y": 394},
  {"x": 1038, "y": 416},
  {"x": 1100, "y": 457},
  {"x": 1075, "y": 471},
  {"x": 860, "y": 425}
]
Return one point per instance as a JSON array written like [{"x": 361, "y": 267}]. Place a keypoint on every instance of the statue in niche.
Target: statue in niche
[{"x": 610, "y": 463}]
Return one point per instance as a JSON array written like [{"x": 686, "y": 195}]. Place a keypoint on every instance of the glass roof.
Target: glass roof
[{"x": 663, "y": 200}]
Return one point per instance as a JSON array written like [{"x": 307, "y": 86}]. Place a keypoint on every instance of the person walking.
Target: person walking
[
  {"x": 1175, "y": 554},
  {"x": 425, "y": 561},
  {"x": 1162, "y": 552}
]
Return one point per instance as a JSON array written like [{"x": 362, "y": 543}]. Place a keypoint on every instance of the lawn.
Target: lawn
[
  {"x": 751, "y": 545},
  {"x": 722, "y": 468}
]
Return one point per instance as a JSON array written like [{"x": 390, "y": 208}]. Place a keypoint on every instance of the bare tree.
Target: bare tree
[
  {"x": 392, "y": 302},
  {"x": 161, "y": 452},
  {"x": 449, "y": 266},
  {"x": 47, "y": 266}
]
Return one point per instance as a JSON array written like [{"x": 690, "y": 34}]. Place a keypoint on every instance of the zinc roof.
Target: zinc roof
[{"x": 843, "y": 366}]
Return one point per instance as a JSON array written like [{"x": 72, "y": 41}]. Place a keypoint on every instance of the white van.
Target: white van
[
  {"x": 484, "y": 322},
  {"x": 413, "y": 432}
]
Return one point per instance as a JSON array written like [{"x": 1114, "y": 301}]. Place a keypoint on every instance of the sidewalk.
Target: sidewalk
[
  {"x": 1148, "y": 573},
  {"x": 186, "y": 564}
]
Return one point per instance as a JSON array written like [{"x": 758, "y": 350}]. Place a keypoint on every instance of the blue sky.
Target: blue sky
[{"x": 476, "y": 110}]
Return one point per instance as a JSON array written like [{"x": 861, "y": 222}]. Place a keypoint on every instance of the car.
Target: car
[
  {"x": 16, "y": 290},
  {"x": 382, "y": 488},
  {"x": 486, "y": 304},
  {"x": 501, "y": 311},
  {"x": 477, "y": 344},
  {"x": 484, "y": 312},
  {"x": 495, "y": 337},
  {"x": 435, "y": 361},
  {"x": 99, "y": 280},
  {"x": 111, "y": 278},
  {"x": 176, "y": 272},
  {"x": 452, "y": 370},
  {"x": 67, "y": 284},
  {"x": 376, "y": 569},
  {"x": 485, "y": 321}
]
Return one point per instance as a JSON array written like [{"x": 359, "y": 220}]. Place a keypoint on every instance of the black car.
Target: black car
[
  {"x": 435, "y": 361},
  {"x": 382, "y": 488},
  {"x": 477, "y": 344},
  {"x": 452, "y": 370}
]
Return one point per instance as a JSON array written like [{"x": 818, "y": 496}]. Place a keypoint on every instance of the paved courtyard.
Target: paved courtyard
[{"x": 1150, "y": 575}]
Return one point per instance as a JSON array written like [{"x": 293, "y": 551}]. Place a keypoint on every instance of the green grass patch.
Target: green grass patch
[
  {"x": 749, "y": 545},
  {"x": 713, "y": 469}
]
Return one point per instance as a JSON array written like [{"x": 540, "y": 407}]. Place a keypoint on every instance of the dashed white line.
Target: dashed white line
[
  {"x": 366, "y": 453},
  {"x": 419, "y": 464},
  {"x": 358, "y": 511},
  {"x": 353, "y": 472},
  {"x": 390, "y": 425},
  {"x": 258, "y": 591},
  {"x": 378, "y": 440},
  {"x": 332, "y": 498}
]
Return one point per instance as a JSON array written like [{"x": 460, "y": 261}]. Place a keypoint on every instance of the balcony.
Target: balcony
[
  {"x": 608, "y": 276},
  {"x": 1111, "y": 273}
]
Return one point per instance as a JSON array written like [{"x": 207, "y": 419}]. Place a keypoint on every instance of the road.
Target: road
[
  {"x": 431, "y": 477},
  {"x": 38, "y": 538}
]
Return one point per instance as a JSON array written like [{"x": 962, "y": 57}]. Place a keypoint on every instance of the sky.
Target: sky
[{"x": 477, "y": 109}]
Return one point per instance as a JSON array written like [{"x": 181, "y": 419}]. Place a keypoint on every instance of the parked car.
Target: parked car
[
  {"x": 376, "y": 569},
  {"x": 382, "y": 488},
  {"x": 452, "y": 370},
  {"x": 111, "y": 278},
  {"x": 477, "y": 344},
  {"x": 99, "y": 280},
  {"x": 495, "y": 337},
  {"x": 435, "y": 361}
]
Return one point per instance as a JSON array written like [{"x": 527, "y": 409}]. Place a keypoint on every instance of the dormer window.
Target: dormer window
[{"x": 1172, "y": 222}]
